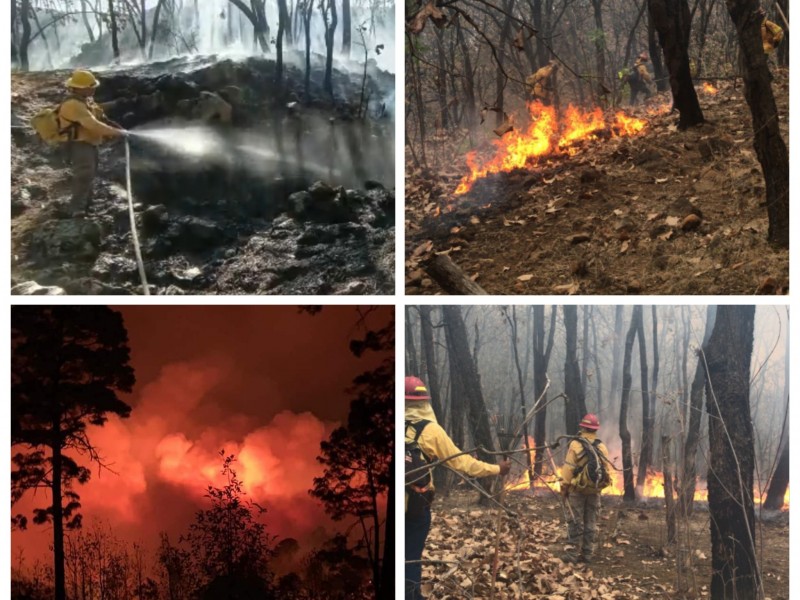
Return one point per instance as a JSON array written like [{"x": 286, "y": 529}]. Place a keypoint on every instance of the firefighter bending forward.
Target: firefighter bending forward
[
  {"x": 583, "y": 497},
  {"x": 426, "y": 437}
]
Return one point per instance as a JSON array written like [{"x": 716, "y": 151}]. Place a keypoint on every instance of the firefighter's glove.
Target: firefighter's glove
[{"x": 505, "y": 467}]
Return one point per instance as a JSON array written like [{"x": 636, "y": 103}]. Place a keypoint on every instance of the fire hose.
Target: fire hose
[{"x": 137, "y": 249}]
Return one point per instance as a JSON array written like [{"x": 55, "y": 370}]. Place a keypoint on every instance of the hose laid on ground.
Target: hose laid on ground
[{"x": 136, "y": 247}]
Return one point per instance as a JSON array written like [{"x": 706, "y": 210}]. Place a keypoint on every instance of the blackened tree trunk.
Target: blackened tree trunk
[
  {"x": 616, "y": 349},
  {"x": 431, "y": 368},
  {"x": 346, "y": 28},
  {"x": 783, "y": 49},
  {"x": 441, "y": 80},
  {"x": 659, "y": 72},
  {"x": 542, "y": 53},
  {"x": 768, "y": 143},
  {"x": 672, "y": 21},
  {"x": 648, "y": 421},
  {"x": 500, "y": 77},
  {"x": 629, "y": 494},
  {"x": 412, "y": 364},
  {"x": 669, "y": 497},
  {"x": 585, "y": 311},
  {"x": 780, "y": 481},
  {"x": 283, "y": 26},
  {"x": 689, "y": 475},
  {"x": 307, "y": 9},
  {"x": 460, "y": 357},
  {"x": 387, "y": 565},
  {"x": 112, "y": 24},
  {"x": 575, "y": 403},
  {"x": 85, "y": 17},
  {"x": 469, "y": 78},
  {"x": 735, "y": 572},
  {"x": 58, "y": 511},
  {"x": 599, "y": 49},
  {"x": 512, "y": 323},
  {"x": 541, "y": 358},
  {"x": 25, "y": 40},
  {"x": 328, "y": 8}
]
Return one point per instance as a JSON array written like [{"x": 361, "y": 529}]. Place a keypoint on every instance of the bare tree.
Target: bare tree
[
  {"x": 624, "y": 433},
  {"x": 575, "y": 402}
]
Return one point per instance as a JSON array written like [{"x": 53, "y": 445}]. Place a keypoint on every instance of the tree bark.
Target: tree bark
[
  {"x": 689, "y": 476},
  {"x": 648, "y": 422},
  {"x": 616, "y": 349},
  {"x": 283, "y": 18},
  {"x": 85, "y": 17},
  {"x": 330, "y": 31},
  {"x": 669, "y": 498},
  {"x": 779, "y": 482},
  {"x": 346, "y": 28},
  {"x": 429, "y": 352},
  {"x": 460, "y": 357},
  {"x": 768, "y": 143},
  {"x": 450, "y": 277},
  {"x": 112, "y": 16},
  {"x": 412, "y": 365},
  {"x": 541, "y": 358},
  {"x": 599, "y": 49},
  {"x": 659, "y": 72},
  {"x": 576, "y": 402},
  {"x": 24, "y": 13},
  {"x": 731, "y": 455},
  {"x": 624, "y": 434},
  {"x": 58, "y": 514},
  {"x": 672, "y": 21}
]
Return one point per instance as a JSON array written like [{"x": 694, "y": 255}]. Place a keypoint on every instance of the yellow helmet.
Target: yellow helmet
[{"x": 82, "y": 80}]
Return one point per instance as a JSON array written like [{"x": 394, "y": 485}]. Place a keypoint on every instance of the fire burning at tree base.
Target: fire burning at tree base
[{"x": 548, "y": 135}]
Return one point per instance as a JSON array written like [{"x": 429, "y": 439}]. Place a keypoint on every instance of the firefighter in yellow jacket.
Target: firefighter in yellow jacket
[
  {"x": 542, "y": 84},
  {"x": 427, "y": 441},
  {"x": 771, "y": 33},
  {"x": 86, "y": 128},
  {"x": 581, "y": 488}
]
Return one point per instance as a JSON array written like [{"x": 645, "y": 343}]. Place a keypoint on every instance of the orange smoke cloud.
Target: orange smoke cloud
[{"x": 164, "y": 456}]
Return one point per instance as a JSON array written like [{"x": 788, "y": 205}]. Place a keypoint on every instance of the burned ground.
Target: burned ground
[
  {"x": 632, "y": 558},
  {"x": 233, "y": 225},
  {"x": 664, "y": 212}
]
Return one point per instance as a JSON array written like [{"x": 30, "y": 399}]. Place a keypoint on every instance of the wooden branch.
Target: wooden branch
[{"x": 451, "y": 278}]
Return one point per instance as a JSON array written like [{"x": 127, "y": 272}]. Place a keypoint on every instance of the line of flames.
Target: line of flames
[
  {"x": 547, "y": 135},
  {"x": 653, "y": 487}
]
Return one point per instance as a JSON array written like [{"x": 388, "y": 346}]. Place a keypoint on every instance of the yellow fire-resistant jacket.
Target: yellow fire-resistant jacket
[
  {"x": 641, "y": 68},
  {"x": 576, "y": 459},
  {"x": 541, "y": 84},
  {"x": 436, "y": 444},
  {"x": 771, "y": 36},
  {"x": 86, "y": 113}
]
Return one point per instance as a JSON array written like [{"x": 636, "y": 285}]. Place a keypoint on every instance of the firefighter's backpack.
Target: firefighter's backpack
[
  {"x": 593, "y": 475},
  {"x": 419, "y": 485},
  {"x": 47, "y": 125}
]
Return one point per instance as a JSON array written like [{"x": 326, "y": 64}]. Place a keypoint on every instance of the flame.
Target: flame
[
  {"x": 709, "y": 89},
  {"x": 653, "y": 487},
  {"x": 545, "y": 136}
]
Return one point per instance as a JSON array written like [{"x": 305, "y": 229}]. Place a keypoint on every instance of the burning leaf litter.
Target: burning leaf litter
[{"x": 547, "y": 135}]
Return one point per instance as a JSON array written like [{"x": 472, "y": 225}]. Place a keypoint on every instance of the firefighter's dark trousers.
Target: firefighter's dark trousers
[
  {"x": 638, "y": 89},
  {"x": 84, "y": 159},
  {"x": 417, "y": 529},
  {"x": 582, "y": 524}
]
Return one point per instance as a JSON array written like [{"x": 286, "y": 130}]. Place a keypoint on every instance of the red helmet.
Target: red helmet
[
  {"x": 588, "y": 422},
  {"x": 416, "y": 390}
]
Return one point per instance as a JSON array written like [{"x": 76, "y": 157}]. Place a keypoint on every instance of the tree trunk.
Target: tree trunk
[
  {"x": 112, "y": 17},
  {"x": 616, "y": 350},
  {"x": 282, "y": 22},
  {"x": 429, "y": 352},
  {"x": 412, "y": 365},
  {"x": 768, "y": 143},
  {"x": 672, "y": 21},
  {"x": 441, "y": 81},
  {"x": 85, "y": 17},
  {"x": 307, "y": 12},
  {"x": 624, "y": 434},
  {"x": 576, "y": 403},
  {"x": 500, "y": 78},
  {"x": 154, "y": 32},
  {"x": 24, "y": 13},
  {"x": 585, "y": 310},
  {"x": 346, "y": 28},
  {"x": 387, "y": 566},
  {"x": 695, "y": 415},
  {"x": 648, "y": 421},
  {"x": 659, "y": 72},
  {"x": 669, "y": 498},
  {"x": 512, "y": 321},
  {"x": 330, "y": 30},
  {"x": 465, "y": 367},
  {"x": 58, "y": 513},
  {"x": 599, "y": 49},
  {"x": 731, "y": 455},
  {"x": 469, "y": 78},
  {"x": 542, "y": 53},
  {"x": 541, "y": 358},
  {"x": 779, "y": 482}
]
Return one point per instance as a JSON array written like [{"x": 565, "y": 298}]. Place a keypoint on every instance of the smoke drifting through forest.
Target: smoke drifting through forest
[{"x": 598, "y": 333}]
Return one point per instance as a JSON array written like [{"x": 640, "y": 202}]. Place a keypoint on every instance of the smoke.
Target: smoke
[{"x": 161, "y": 460}]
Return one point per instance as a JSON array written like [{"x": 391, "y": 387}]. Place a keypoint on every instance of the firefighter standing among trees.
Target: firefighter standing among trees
[
  {"x": 427, "y": 441},
  {"x": 542, "y": 84},
  {"x": 639, "y": 79},
  {"x": 85, "y": 127},
  {"x": 581, "y": 489},
  {"x": 771, "y": 33}
]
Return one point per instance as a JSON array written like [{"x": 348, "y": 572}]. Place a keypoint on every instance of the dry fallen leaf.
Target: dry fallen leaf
[{"x": 526, "y": 277}]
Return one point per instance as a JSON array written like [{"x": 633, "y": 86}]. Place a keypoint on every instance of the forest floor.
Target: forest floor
[
  {"x": 611, "y": 219},
  {"x": 632, "y": 559}
]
